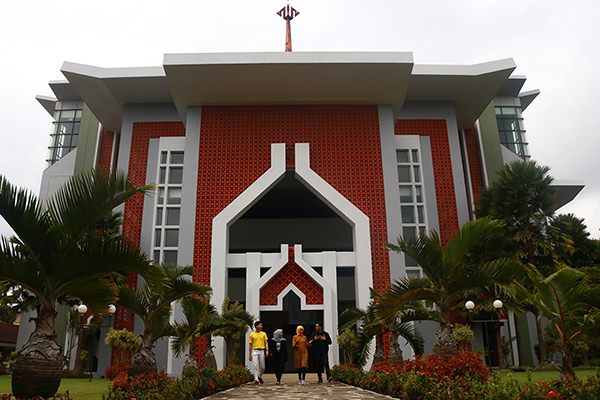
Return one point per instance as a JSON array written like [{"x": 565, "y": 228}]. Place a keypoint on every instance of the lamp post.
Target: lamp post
[
  {"x": 470, "y": 305},
  {"x": 111, "y": 311},
  {"x": 82, "y": 310}
]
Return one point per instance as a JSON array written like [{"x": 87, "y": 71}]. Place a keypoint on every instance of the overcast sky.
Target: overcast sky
[{"x": 554, "y": 43}]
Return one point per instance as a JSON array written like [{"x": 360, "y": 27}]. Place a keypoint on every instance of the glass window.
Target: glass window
[
  {"x": 408, "y": 214},
  {"x": 402, "y": 156},
  {"x": 171, "y": 237},
  {"x": 403, "y": 173},
  {"x": 417, "y": 171},
  {"x": 176, "y": 175},
  {"x": 406, "y": 194},
  {"x": 161, "y": 175},
  {"x": 170, "y": 256},
  {"x": 422, "y": 231},
  {"x": 65, "y": 129},
  {"x": 177, "y": 157},
  {"x": 421, "y": 214},
  {"x": 418, "y": 194},
  {"x": 67, "y": 116},
  {"x": 172, "y": 216},
  {"x": 413, "y": 274},
  {"x": 78, "y": 114},
  {"x": 159, "y": 215},
  {"x": 161, "y": 195},
  {"x": 415, "y": 156},
  {"x": 408, "y": 232},
  {"x": 408, "y": 260},
  {"x": 157, "y": 256},
  {"x": 174, "y": 196},
  {"x": 157, "y": 237},
  {"x": 163, "y": 157}
]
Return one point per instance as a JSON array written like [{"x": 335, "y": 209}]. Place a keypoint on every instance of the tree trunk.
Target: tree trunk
[
  {"x": 143, "y": 359},
  {"x": 395, "y": 354},
  {"x": 379, "y": 356},
  {"x": 38, "y": 369},
  {"x": 445, "y": 344},
  {"x": 209, "y": 357},
  {"x": 518, "y": 335},
  {"x": 567, "y": 365}
]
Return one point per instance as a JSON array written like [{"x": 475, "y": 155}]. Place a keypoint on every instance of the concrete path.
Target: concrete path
[{"x": 291, "y": 390}]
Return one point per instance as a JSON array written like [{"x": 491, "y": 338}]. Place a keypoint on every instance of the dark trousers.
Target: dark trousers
[
  {"x": 279, "y": 366},
  {"x": 302, "y": 373},
  {"x": 322, "y": 360}
]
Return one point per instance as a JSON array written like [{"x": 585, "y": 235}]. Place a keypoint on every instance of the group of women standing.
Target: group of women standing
[{"x": 300, "y": 345}]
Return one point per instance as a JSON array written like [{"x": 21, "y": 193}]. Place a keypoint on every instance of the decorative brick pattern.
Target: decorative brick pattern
[
  {"x": 105, "y": 149},
  {"x": 475, "y": 166},
  {"x": 141, "y": 134},
  {"x": 437, "y": 130},
  {"x": 291, "y": 273},
  {"x": 345, "y": 150}
]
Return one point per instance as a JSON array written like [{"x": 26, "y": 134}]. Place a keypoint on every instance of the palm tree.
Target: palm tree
[
  {"x": 400, "y": 325},
  {"x": 152, "y": 303},
  {"x": 238, "y": 321},
  {"x": 55, "y": 255},
  {"x": 201, "y": 320},
  {"x": 449, "y": 278},
  {"x": 524, "y": 200},
  {"x": 559, "y": 298}
]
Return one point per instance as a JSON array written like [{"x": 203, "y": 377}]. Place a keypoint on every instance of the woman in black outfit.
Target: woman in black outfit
[{"x": 279, "y": 353}]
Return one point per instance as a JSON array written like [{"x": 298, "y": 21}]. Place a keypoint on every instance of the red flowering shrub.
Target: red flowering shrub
[
  {"x": 466, "y": 364},
  {"x": 147, "y": 386},
  {"x": 115, "y": 370}
]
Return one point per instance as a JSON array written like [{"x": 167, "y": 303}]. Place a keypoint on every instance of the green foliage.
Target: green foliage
[
  {"x": 348, "y": 343},
  {"x": 122, "y": 340},
  {"x": 195, "y": 383},
  {"x": 147, "y": 386},
  {"x": 237, "y": 321},
  {"x": 463, "y": 334}
]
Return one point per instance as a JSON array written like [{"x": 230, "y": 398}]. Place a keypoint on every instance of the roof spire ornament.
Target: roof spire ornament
[{"x": 288, "y": 13}]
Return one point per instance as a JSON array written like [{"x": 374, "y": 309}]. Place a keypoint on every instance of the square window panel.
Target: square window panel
[
  {"x": 174, "y": 196},
  {"x": 170, "y": 256},
  {"x": 413, "y": 274},
  {"x": 172, "y": 216},
  {"x": 171, "y": 237},
  {"x": 177, "y": 157},
  {"x": 408, "y": 214},
  {"x": 402, "y": 156},
  {"x": 176, "y": 175},
  {"x": 406, "y": 194},
  {"x": 403, "y": 173},
  {"x": 409, "y": 262},
  {"x": 408, "y": 232}
]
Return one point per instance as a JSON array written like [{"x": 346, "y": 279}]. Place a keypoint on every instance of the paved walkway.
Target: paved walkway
[{"x": 291, "y": 390}]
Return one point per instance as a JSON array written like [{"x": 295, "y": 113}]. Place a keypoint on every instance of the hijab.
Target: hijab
[
  {"x": 297, "y": 328},
  {"x": 278, "y": 338}
]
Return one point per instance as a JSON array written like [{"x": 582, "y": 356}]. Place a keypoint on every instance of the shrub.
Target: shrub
[
  {"x": 58, "y": 396},
  {"x": 466, "y": 364},
  {"x": 115, "y": 370},
  {"x": 206, "y": 381},
  {"x": 148, "y": 386},
  {"x": 236, "y": 375},
  {"x": 347, "y": 373}
]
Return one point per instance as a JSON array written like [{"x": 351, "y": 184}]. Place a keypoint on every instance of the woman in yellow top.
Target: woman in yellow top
[
  {"x": 259, "y": 344},
  {"x": 300, "y": 345}
]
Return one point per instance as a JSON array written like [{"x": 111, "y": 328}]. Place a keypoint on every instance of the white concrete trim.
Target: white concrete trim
[
  {"x": 347, "y": 211},
  {"x": 230, "y": 214}
]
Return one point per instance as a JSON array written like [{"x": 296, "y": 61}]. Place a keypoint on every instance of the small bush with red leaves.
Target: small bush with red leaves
[
  {"x": 466, "y": 364},
  {"x": 115, "y": 370},
  {"x": 147, "y": 386}
]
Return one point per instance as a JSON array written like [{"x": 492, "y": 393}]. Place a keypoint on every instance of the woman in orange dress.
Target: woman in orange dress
[{"x": 300, "y": 345}]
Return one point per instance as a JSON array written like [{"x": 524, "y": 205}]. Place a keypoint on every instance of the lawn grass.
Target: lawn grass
[
  {"x": 79, "y": 389},
  {"x": 546, "y": 374}
]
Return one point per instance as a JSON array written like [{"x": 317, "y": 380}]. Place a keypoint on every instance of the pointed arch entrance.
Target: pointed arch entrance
[{"x": 265, "y": 276}]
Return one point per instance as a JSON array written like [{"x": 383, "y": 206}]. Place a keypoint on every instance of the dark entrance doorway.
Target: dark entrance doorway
[{"x": 288, "y": 320}]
